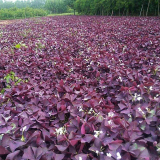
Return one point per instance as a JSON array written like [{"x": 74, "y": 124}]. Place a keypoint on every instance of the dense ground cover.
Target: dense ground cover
[{"x": 81, "y": 88}]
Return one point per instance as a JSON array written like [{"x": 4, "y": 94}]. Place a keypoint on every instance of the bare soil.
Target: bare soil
[{"x": 6, "y": 22}]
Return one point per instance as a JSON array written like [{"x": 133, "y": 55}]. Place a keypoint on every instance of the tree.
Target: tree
[
  {"x": 71, "y": 4},
  {"x": 37, "y": 3},
  {"x": 56, "y": 6},
  {"x": 148, "y": 8}
]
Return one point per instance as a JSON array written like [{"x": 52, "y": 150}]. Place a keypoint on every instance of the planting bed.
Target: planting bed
[{"x": 80, "y": 88}]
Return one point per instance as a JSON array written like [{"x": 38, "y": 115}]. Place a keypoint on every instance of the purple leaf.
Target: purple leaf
[
  {"x": 3, "y": 151},
  {"x": 13, "y": 155}
]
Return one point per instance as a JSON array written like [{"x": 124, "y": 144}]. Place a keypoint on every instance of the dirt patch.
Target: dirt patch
[{"x": 6, "y": 22}]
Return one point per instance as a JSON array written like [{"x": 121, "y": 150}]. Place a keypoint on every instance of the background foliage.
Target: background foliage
[
  {"x": 16, "y": 13},
  {"x": 118, "y": 7},
  {"x": 12, "y": 10}
]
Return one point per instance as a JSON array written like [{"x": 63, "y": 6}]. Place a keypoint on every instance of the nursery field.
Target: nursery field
[{"x": 80, "y": 88}]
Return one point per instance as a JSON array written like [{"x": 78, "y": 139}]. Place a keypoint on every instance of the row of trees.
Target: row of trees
[
  {"x": 54, "y": 6},
  {"x": 60, "y": 6},
  {"x": 118, "y": 7},
  {"x": 91, "y": 7},
  {"x": 22, "y": 4},
  {"x": 107, "y": 7}
]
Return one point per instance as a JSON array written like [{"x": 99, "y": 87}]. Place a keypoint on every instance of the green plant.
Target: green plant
[{"x": 11, "y": 77}]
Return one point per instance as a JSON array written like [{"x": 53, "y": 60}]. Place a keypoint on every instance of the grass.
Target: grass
[{"x": 62, "y": 14}]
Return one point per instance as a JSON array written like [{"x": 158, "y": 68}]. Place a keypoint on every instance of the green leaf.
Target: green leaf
[
  {"x": 12, "y": 73},
  {"x": 7, "y": 78},
  {"x": 13, "y": 125},
  {"x": 151, "y": 113},
  {"x": 135, "y": 146},
  {"x": 2, "y": 91},
  {"x": 143, "y": 127},
  {"x": 18, "y": 46},
  {"x": 22, "y": 139}
]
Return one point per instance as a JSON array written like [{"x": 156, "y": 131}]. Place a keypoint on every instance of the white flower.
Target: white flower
[
  {"x": 120, "y": 78},
  {"x": 97, "y": 152},
  {"x": 150, "y": 88},
  {"x": 80, "y": 158},
  {"x": 24, "y": 128},
  {"x": 137, "y": 97},
  {"x": 118, "y": 156},
  {"x": 140, "y": 110},
  {"x": 80, "y": 109},
  {"x": 109, "y": 155},
  {"x": 97, "y": 133},
  {"x": 110, "y": 114},
  {"x": 90, "y": 111},
  {"x": 61, "y": 131},
  {"x": 110, "y": 122}
]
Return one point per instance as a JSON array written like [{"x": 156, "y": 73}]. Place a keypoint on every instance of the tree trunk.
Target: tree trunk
[
  {"x": 127, "y": 12},
  {"x": 147, "y": 8},
  {"x": 123, "y": 12},
  {"x": 112, "y": 13},
  {"x": 141, "y": 10},
  {"x": 74, "y": 12},
  {"x": 119, "y": 12}
]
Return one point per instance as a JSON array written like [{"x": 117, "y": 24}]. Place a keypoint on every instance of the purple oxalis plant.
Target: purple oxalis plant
[{"x": 80, "y": 88}]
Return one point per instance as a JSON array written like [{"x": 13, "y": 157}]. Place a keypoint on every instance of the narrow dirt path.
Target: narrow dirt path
[{"x": 6, "y": 22}]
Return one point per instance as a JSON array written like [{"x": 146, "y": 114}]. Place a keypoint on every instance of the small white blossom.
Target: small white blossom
[
  {"x": 120, "y": 78},
  {"x": 110, "y": 122},
  {"x": 96, "y": 136},
  {"x": 110, "y": 114},
  {"x": 61, "y": 131},
  {"x": 157, "y": 95},
  {"x": 97, "y": 133},
  {"x": 97, "y": 152},
  {"x": 80, "y": 109},
  {"x": 118, "y": 156},
  {"x": 90, "y": 111},
  {"x": 109, "y": 155},
  {"x": 80, "y": 158},
  {"x": 24, "y": 128},
  {"x": 137, "y": 97},
  {"x": 140, "y": 110}
]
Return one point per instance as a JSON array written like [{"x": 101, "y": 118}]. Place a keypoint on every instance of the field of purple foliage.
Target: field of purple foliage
[{"x": 80, "y": 88}]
